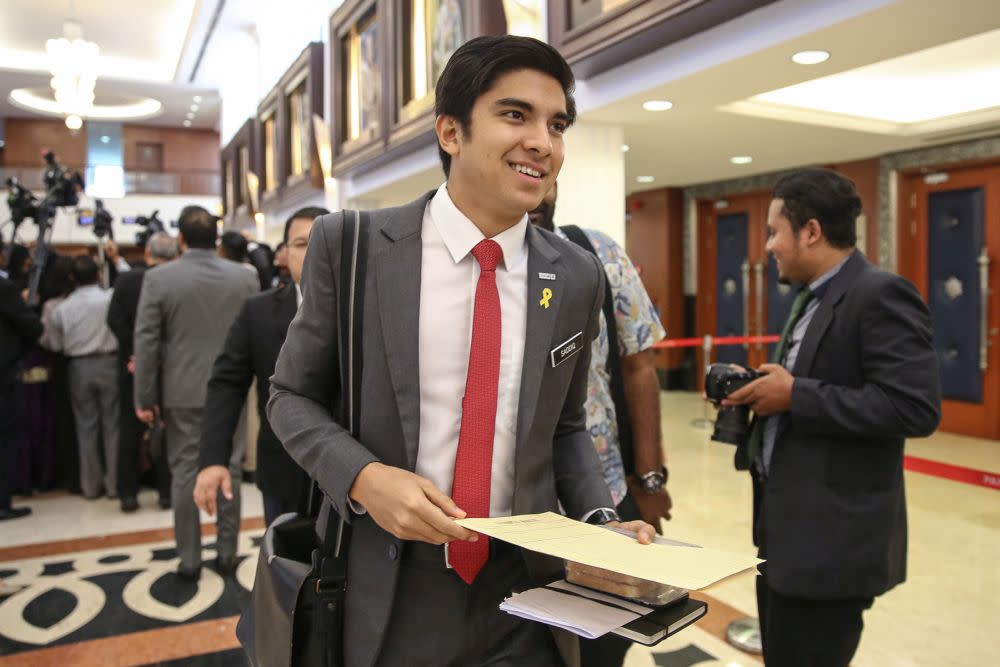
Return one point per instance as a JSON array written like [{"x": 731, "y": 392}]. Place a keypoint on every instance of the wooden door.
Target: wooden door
[{"x": 949, "y": 246}]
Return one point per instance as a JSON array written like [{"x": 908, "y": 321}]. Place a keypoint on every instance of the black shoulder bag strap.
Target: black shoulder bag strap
[
  {"x": 614, "y": 363},
  {"x": 330, "y": 559}
]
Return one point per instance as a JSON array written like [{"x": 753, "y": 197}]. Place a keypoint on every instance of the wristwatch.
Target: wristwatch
[
  {"x": 654, "y": 481},
  {"x": 601, "y": 516}
]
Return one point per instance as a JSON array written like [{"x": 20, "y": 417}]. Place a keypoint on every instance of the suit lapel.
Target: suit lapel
[
  {"x": 824, "y": 313},
  {"x": 397, "y": 283},
  {"x": 541, "y": 321}
]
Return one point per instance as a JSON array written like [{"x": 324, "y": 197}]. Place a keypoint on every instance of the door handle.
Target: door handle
[
  {"x": 745, "y": 270},
  {"x": 758, "y": 270},
  {"x": 984, "y": 308}
]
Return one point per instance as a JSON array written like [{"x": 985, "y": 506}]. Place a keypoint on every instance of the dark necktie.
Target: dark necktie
[
  {"x": 474, "y": 460},
  {"x": 798, "y": 310}
]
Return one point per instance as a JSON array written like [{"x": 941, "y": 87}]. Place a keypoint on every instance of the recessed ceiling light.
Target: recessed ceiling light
[
  {"x": 74, "y": 122},
  {"x": 105, "y": 139},
  {"x": 190, "y": 115},
  {"x": 626, "y": 148},
  {"x": 741, "y": 159},
  {"x": 644, "y": 179},
  {"x": 196, "y": 98},
  {"x": 194, "y": 107},
  {"x": 187, "y": 123},
  {"x": 657, "y": 105},
  {"x": 811, "y": 57}
]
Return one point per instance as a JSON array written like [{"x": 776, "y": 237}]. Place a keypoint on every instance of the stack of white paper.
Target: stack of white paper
[{"x": 573, "y": 608}]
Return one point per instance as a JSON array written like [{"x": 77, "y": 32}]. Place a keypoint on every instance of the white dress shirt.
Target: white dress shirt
[{"x": 448, "y": 278}]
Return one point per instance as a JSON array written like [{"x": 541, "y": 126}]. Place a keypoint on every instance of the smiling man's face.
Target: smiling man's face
[{"x": 513, "y": 150}]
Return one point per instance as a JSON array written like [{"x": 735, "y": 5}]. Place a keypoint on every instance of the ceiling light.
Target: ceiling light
[
  {"x": 741, "y": 159},
  {"x": 626, "y": 148},
  {"x": 644, "y": 179},
  {"x": 190, "y": 114},
  {"x": 194, "y": 107},
  {"x": 657, "y": 105},
  {"x": 105, "y": 139},
  {"x": 73, "y": 63},
  {"x": 74, "y": 122},
  {"x": 810, "y": 57},
  {"x": 196, "y": 99},
  {"x": 29, "y": 99},
  {"x": 187, "y": 123}
]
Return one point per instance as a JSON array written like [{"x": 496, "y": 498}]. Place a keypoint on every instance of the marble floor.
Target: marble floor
[{"x": 946, "y": 614}]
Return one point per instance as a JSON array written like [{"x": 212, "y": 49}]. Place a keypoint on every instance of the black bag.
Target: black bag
[{"x": 295, "y": 615}]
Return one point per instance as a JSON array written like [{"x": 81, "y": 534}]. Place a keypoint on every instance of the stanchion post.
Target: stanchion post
[{"x": 705, "y": 421}]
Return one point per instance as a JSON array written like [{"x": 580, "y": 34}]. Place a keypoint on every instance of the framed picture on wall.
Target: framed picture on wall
[
  {"x": 363, "y": 89},
  {"x": 299, "y": 139}
]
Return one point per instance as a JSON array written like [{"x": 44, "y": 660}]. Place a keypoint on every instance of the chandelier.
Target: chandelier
[{"x": 73, "y": 63}]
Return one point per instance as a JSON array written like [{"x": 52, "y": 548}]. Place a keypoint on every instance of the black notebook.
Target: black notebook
[{"x": 653, "y": 628}]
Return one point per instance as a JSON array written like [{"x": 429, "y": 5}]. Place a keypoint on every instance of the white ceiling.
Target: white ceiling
[
  {"x": 692, "y": 143},
  {"x": 141, "y": 44}
]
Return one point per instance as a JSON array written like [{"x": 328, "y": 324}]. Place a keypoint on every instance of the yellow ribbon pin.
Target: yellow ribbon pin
[{"x": 546, "y": 295}]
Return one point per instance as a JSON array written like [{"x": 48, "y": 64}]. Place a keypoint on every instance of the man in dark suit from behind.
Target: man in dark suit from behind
[
  {"x": 19, "y": 327},
  {"x": 251, "y": 351},
  {"x": 160, "y": 248},
  {"x": 857, "y": 375}
]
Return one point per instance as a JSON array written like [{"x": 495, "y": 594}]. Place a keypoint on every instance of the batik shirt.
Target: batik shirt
[{"x": 638, "y": 329}]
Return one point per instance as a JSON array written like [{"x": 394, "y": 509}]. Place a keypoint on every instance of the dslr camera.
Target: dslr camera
[{"x": 720, "y": 381}]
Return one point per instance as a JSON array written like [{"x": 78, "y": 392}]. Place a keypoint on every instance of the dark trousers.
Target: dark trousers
[
  {"x": 610, "y": 650},
  {"x": 130, "y": 433},
  {"x": 11, "y": 416},
  {"x": 799, "y": 632},
  {"x": 437, "y": 619},
  {"x": 275, "y": 507}
]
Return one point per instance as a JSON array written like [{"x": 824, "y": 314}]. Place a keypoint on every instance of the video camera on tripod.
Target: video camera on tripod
[
  {"x": 151, "y": 225},
  {"x": 61, "y": 187}
]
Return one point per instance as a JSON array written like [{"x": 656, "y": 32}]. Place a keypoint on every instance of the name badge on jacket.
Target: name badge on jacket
[{"x": 564, "y": 351}]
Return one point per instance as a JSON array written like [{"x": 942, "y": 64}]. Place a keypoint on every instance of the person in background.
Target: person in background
[
  {"x": 80, "y": 331},
  {"x": 250, "y": 352},
  {"x": 185, "y": 310},
  {"x": 623, "y": 398},
  {"x": 280, "y": 276},
  {"x": 854, "y": 375},
  {"x": 19, "y": 328},
  {"x": 160, "y": 248}
]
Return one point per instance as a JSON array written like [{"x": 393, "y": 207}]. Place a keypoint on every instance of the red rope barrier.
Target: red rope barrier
[{"x": 716, "y": 341}]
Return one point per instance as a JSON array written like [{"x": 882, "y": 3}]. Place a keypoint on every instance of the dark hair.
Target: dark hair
[
  {"x": 476, "y": 65},
  {"x": 197, "y": 226},
  {"x": 84, "y": 270},
  {"x": 824, "y": 195},
  {"x": 58, "y": 279},
  {"x": 234, "y": 246},
  {"x": 310, "y": 212}
]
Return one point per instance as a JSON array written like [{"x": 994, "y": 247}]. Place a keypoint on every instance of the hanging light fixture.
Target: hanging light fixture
[{"x": 73, "y": 63}]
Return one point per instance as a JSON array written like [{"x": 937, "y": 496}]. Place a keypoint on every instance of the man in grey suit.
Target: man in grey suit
[
  {"x": 476, "y": 330},
  {"x": 185, "y": 310}
]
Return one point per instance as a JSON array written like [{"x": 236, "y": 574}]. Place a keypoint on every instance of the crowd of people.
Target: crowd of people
[{"x": 478, "y": 401}]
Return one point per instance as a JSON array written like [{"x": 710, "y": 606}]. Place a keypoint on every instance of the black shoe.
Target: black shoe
[
  {"x": 129, "y": 504},
  {"x": 226, "y": 566},
  {"x": 164, "y": 503},
  {"x": 189, "y": 575},
  {"x": 14, "y": 513}
]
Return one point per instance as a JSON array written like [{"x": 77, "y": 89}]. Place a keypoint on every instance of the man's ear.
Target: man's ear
[
  {"x": 449, "y": 134},
  {"x": 814, "y": 231}
]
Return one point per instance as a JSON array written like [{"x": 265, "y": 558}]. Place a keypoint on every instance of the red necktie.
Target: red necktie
[{"x": 474, "y": 460}]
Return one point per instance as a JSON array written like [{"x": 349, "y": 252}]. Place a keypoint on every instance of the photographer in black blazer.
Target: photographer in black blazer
[
  {"x": 250, "y": 351},
  {"x": 856, "y": 377}
]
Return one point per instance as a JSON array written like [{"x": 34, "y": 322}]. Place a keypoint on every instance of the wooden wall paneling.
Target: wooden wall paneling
[
  {"x": 635, "y": 28},
  {"x": 183, "y": 149},
  {"x": 655, "y": 245},
  {"x": 865, "y": 174},
  {"x": 27, "y": 137}
]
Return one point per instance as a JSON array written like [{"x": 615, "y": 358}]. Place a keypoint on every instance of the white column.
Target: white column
[{"x": 592, "y": 181}]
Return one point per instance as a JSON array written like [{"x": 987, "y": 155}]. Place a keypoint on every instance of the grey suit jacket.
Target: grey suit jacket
[
  {"x": 555, "y": 460},
  {"x": 185, "y": 310}
]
